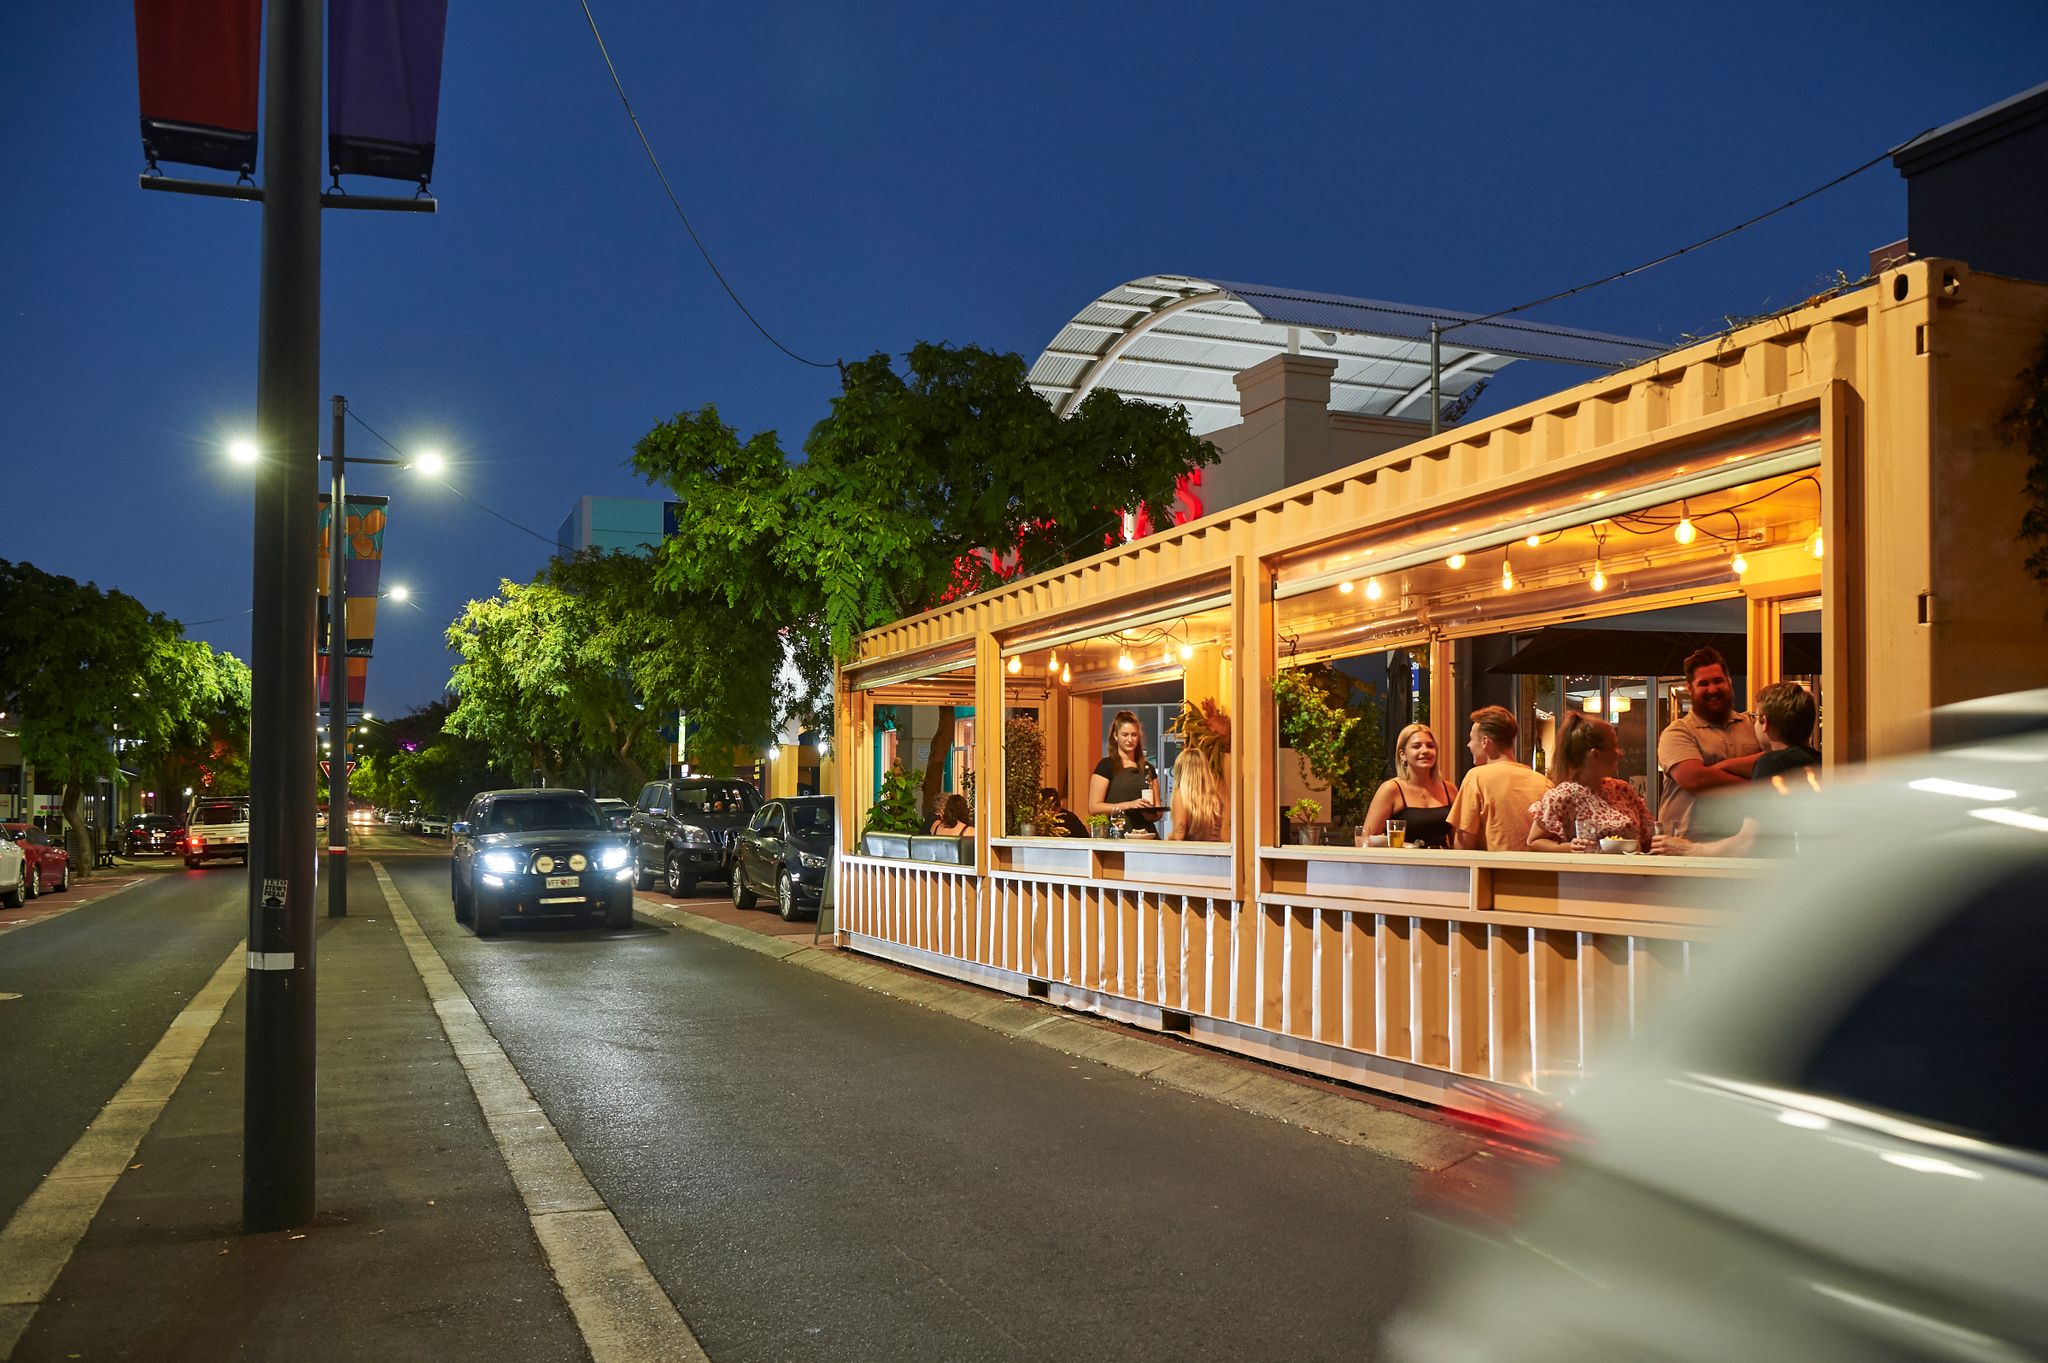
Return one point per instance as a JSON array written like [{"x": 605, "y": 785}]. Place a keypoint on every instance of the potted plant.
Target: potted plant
[
  {"x": 1023, "y": 768},
  {"x": 1302, "y": 816},
  {"x": 893, "y": 818}
]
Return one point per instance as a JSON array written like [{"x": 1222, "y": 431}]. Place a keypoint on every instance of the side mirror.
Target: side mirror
[{"x": 459, "y": 827}]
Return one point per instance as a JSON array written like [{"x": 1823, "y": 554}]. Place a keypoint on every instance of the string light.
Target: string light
[
  {"x": 1684, "y": 533},
  {"x": 1455, "y": 562},
  {"x": 1123, "y": 661},
  {"x": 1016, "y": 664},
  {"x": 1599, "y": 548},
  {"x": 1344, "y": 587},
  {"x": 1534, "y": 541},
  {"x": 1620, "y": 705},
  {"x": 1813, "y": 543},
  {"x": 1739, "y": 564},
  {"x": 1599, "y": 577},
  {"x": 1187, "y": 651},
  {"x": 1372, "y": 589},
  {"x": 1507, "y": 573},
  {"x": 1052, "y": 660},
  {"x": 1066, "y": 674}
]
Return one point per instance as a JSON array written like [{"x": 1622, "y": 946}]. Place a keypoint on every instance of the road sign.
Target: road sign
[{"x": 351, "y": 768}]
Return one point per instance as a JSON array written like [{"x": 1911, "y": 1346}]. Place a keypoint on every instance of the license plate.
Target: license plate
[{"x": 564, "y": 882}]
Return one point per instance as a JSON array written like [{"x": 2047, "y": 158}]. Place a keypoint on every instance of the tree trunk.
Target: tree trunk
[
  {"x": 74, "y": 817},
  {"x": 935, "y": 762}
]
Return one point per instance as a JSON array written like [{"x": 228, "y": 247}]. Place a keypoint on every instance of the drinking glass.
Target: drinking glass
[{"x": 1397, "y": 832}]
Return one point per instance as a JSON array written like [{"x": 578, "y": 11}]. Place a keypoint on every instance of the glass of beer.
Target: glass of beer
[{"x": 1397, "y": 832}]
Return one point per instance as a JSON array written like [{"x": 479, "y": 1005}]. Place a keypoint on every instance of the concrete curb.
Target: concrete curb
[{"x": 1409, "y": 1137}]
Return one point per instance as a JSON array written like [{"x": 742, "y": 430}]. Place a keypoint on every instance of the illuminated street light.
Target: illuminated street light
[{"x": 242, "y": 451}]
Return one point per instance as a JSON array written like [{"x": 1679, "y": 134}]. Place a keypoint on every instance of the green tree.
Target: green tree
[
  {"x": 514, "y": 686},
  {"x": 82, "y": 669}
]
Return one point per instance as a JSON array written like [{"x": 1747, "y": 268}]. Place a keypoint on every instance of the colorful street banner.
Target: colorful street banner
[
  {"x": 196, "y": 63},
  {"x": 362, "y": 564},
  {"x": 384, "y": 86}
]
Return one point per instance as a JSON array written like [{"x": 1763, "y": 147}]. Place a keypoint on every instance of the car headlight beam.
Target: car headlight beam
[
  {"x": 612, "y": 858},
  {"x": 504, "y": 863}
]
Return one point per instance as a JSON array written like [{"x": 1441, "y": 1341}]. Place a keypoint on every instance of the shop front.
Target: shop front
[{"x": 1809, "y": 495}]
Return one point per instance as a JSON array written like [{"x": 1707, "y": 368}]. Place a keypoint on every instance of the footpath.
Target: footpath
[{"x": 452, "y": 1222}]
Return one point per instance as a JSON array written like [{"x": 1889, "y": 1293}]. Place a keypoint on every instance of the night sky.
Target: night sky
[{"x": 873, "y": 175}]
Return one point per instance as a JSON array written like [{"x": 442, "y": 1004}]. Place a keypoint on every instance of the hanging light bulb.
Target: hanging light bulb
[
  {"x": 1534, "y": 541},
  {"x": 1739, "y": 564},
  {"x": 1621, "y": 705},
  {"x": 1507, "y": 574},
  {"x": 1813, "y": 543},
  {"x": 1372, "y": 589},
  {"x": 1052, "y": 660},
  {"x": 1684, "y": 534},
  {"x": 1187, "y": 651},
  {"x": 1016, "y": 664},
  {"x": 1066, "y": 674},
  {"x": 1455, "y": 562},
  {"x": 1123, "y": 660},
  {"x": 1599, "y": 577},
  {"x": 1166, "y": 653},
  {"x": 1344, "y": 587}
]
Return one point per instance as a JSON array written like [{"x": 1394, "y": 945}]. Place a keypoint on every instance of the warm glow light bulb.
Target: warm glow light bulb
[
  {"x": 1187, "y": 651},
  {"x": 1123, "y": 661},
  {"x": 1016, "y": 664},
  {"x": 1599, "y": 577},
  {"x": 1813, "y": 545},
  {"x": 1685, "y": 534},
  {"x": 1344, "y": 587},
  {"x": 1066, "y": 674},
  {"x": 1507, "y": 576},
  {"x": 1739, "y": 564},
  {"x": 1372, "y": 589},
  {"x": 1052, "y": 660},
  {"x": 1455, "y": 562},
  {"x": 1534, "y": 541}
]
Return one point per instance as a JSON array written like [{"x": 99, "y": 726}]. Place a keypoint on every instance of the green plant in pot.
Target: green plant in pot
[
  {"x": 1023, "y": 767},
  {"x": 1302, "y": 813},
  {"x": 895, "y": 808}
]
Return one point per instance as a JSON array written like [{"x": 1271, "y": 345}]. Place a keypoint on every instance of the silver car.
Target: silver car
[{"x": 1835, "y": 1143}]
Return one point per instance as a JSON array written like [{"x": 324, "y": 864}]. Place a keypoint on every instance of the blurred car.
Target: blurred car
[
  {"x": 785, "y": 852},
  {"x": 1833, "y": 1144},
  {"x": 13, "y": 875},
  {"x": 148, "y": 833},
  {"x": 431, "y": 825},
  {"x": 48, "y": 868},
  {"x": 682, "y": 830},
  {"x": 618, "y": 814},
  {"x": 531, "y": 853}
]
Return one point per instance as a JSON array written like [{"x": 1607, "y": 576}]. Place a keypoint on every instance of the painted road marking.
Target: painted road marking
[
  {"x": 42, "y": 914},
  {"x": 37, "y": 1242},
  {"x": 622, "y": 1311}
]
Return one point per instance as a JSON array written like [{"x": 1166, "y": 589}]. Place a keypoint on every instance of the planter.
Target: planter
[
  {"x": 944, "y": 851},
  {"x": 885, "y": 844}
]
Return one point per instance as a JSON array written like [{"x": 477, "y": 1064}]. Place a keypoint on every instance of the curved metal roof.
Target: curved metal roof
[{"x": 1176, "y": 339}]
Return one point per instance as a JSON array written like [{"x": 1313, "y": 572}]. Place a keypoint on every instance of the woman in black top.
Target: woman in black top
[
  {"x": 1418, "y": 795},
  {"x": 1124, "y": 780}
]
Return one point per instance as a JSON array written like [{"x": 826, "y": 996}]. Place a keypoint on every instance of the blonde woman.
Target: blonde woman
[
  {"x": 1586, "y": 793},
  {"x": 1197, "y": 804},
  {"x": 1419, "y": 794},
  {"x": 1125, "y": 780}
]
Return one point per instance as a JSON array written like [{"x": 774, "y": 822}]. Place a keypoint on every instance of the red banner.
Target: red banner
[{"x": 197, "y": 65}]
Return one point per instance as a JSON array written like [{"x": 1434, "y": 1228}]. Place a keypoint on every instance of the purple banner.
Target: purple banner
[{"x": 384, "y": 86}]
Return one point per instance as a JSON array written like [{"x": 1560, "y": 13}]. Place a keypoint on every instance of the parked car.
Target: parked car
[
  {"x": 147, "y": 833},
  {"x": 618, "y": 814},
  {"x": 432, "y": 826},
  {"x": 48, "y": 868},
  {"x": 786, "y": 851},
  {"x": 217, "y": 826},
  {"x": 13, "y": 875},
  {"x": 683, "y": 829},
  {"x": 1834, "y": 1144},
  {"x": 530, "y": 853}
]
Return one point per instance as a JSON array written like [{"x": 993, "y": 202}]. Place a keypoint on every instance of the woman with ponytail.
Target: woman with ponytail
[{"x": 1585, "y": 790}]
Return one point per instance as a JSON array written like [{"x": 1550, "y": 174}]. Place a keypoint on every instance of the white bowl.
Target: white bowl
[
  {"x": 1375, "y": 840},
  {"x": 1615, "y": 846}
]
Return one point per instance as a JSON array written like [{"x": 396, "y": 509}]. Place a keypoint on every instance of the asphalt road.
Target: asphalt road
[
  {"x": 810, "y": 1170},
  {"x": 813, "y": 1171}
]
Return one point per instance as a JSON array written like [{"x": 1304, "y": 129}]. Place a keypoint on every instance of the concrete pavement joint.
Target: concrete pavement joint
[
  {"x": 1399, "y": 1135},
  {"x": 622, "y": 1312},
  {"x": 39, "y": 1238}
]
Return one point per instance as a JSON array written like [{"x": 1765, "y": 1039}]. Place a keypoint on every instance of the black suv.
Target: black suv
[
  {"x": 538, "y": 852},
  {"x": 683, "y": 830}
]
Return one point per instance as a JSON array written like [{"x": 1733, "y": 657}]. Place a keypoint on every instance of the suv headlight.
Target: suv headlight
[
  {"x": 810, "y": 862},
  {"x": 504, "y": 863},
  {"x": 612, "y": 858},
  {"x": 695, "y": 837}
]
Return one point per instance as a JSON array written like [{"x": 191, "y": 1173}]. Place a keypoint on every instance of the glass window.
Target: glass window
[
  {"x": 810, "y": 820},
  {"x": 544, "y": 813},
  {"x": 1950, "y": 1035},
  {"x": 220, "y": 813},
  {"x": 724, "y": 799}
]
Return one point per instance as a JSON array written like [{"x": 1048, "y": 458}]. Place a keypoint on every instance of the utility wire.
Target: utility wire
[
  {"x": 548, "y": 540},
  {"x": 1704, "y": 241},
  {"x": 676, "y": 203}
]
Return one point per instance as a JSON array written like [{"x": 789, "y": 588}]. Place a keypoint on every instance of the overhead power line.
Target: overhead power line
[
  {"x": 548, "y": 540},
  {"x": 676, "y": 203}
]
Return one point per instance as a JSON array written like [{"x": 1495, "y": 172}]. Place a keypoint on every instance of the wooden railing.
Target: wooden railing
[{"x": 1432, "y": 974}]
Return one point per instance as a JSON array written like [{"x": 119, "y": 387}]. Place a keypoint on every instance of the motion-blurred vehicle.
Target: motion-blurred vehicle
[
  {"x": 683, "y": 830},
  {"x": 148, "y": 833},
  {"x": 13, "y": 875},
  {"x": 786, "y": 852},
  {"x": 215, "y": 827},
  {"x": 618, "y": 814},
  {"x": 48, "y": 861},
  {"x": 1834, "y": 1144},
  {"x": 532, "y": 853}
]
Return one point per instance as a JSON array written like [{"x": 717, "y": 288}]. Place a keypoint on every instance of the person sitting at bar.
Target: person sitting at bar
[
  {"x": 1785, "y": 715},
  {"x": 1197, "y": 803},
  {"x": 1418, "y": 795},
  {"x": 1587, "y": 801},
  {"x": 955, "y": 819},
  {"x": 1491, "y": 811},
  {"x": 1068, "y": 819},
  {"x": 1124, "y": 781},
  {"x": 1708, "y": 751}
]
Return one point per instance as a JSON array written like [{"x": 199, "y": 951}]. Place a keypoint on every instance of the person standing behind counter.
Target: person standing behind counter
[
  {"x": 1711, "y": 749},
  {"x": 1491, "y": 811},
  {"x": 1125, "y": 780}
]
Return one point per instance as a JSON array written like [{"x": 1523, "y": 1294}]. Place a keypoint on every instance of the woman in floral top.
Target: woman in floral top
[{"x": 1586, "y": 789}]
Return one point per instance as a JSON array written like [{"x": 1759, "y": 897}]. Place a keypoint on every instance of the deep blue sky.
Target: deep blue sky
[{"x": 873, "y": 175}]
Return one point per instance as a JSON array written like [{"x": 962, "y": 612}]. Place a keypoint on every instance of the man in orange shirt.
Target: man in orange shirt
[{"x": 1491, "y": 811}]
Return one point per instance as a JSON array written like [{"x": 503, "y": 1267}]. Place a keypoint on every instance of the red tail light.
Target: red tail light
[
  {"x": 196, "y": 843},
  {"x": 1524, "y": 1137}
]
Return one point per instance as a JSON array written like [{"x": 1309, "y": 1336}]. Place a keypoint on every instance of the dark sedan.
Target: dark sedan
[
  {"x": 786, "y": 851},
  {"x": 147, "y": 833},
  {"x": 537, "y": 853}
]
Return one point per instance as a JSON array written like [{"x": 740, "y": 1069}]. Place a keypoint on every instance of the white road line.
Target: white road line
[
  {"x": 622, "y": 1311},
  {"x": 38, "y": 1240},
  {"x": 53, "y": 914}
]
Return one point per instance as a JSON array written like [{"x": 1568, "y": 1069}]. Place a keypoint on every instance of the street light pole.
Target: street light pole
[{"x": 337, "y": 673}]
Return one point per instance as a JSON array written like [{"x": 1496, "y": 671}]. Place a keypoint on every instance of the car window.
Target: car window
[
  {"x": 810, "y": 820},
  {"x": 657, "y": 799},
  {"x": 221, "y": 813},
  {"x": 726, "y": 800},
  {"x": 770, "y": 819},
  {"x": 543, "y": 813},
  {"x": 1942, "y": 1038}
]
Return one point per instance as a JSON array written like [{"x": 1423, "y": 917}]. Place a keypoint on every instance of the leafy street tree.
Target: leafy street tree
[
  {"x": 921, "y": 486},
  {"x": 81, "y": 668},
  {"x": 520, "y": 665}
]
